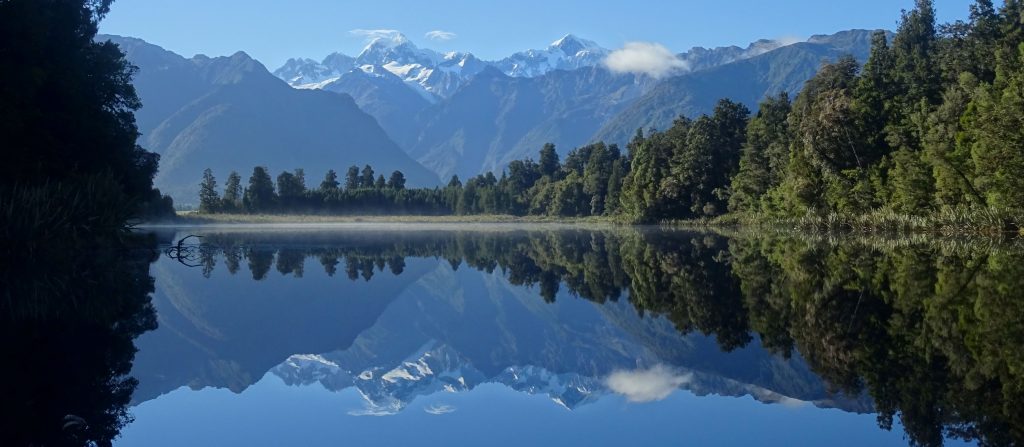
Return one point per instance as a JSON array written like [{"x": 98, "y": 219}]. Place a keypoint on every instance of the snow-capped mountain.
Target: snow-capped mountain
[
  {"x": 435, "y": 368},
  {"x": 437, "y": 75},
  {"x": 568, "y": 53},
  {"x": 432, "y": 74}
]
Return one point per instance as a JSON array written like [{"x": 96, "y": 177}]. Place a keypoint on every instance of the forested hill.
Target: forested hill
[
  {"x": 229, "y": 111},
  {"x": 746, "y": 81}
]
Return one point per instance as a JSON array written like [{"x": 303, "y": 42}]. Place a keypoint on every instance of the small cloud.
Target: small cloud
[
  {"x": 439, "y": 409},
  {"x": 645, "y": 58},
  {"x": 440, "y": 35},
  {"x": 648, "y": 385},
  {"x": 370, "y": 34}
]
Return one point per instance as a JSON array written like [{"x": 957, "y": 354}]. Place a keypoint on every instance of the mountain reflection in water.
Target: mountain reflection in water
[{"x": 926, "y": 334}]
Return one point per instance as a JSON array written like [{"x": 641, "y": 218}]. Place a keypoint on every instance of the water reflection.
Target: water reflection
[
  {"x": 925, "y": 333},
  {"x": 69, "y": 321}
]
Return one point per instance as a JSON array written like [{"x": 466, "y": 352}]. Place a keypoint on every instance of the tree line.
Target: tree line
[
  {"x": 932, "y": 121},
  {"x": 928, "y": 329}
]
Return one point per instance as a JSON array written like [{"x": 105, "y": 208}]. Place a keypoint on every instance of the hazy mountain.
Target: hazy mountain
[
  {"x": 384, "y": 96},
  {"x": 230, "y": 113},
  {"x": 749, "y": 80},
  {"x": 496, "y": 118}
]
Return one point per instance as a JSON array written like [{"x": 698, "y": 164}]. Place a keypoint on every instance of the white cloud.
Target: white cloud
[
  {"x": 370, "y": 34},
  {"x": 645, "y": 58},
  {"x": 648, "y": 385},
  {"x": 439, "y": 409},
  {"x": 440, "y": 35}
]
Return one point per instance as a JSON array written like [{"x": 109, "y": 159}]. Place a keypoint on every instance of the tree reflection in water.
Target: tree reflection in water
[
  {"x": 931, "y": 330},
  {"x": 70, "y": 321}
]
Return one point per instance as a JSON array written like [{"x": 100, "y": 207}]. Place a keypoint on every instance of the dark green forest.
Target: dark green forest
[
  {"x": 929, "y": 329},
  {"x": 72, "y": 168},
  {"x": 932, "y": 123}
]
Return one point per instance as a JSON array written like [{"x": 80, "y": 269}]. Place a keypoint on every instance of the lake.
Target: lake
[{"x": 502, "y": 335}]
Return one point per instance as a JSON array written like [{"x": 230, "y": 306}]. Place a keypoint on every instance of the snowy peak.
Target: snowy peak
[
  {"x": 568, "y": 53},
  {"x": 437, "y": 75},
  {"x": 394, "y": 48},
  {"x": 572, "y": 45}
]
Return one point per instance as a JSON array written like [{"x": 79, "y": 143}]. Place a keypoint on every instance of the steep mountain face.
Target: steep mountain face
[
  {"x": 495, "y": 118},
  {"x": 748, "y": 81},
  {"x": 230, "y": 113},
  {"x": 386, "y": 97}
]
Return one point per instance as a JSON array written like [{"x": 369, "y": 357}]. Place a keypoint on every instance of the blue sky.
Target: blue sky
[{"x": 274, "y": 30}]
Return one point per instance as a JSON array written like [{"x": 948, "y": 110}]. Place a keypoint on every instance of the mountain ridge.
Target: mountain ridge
[{"x": 230, "y": 114}]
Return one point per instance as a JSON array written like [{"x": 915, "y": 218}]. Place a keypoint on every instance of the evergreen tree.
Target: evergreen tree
[
  {"x": 209, "y": 200},
  {"x": 232, "y": 200},
  {"x": 997, "y": 129},
  {"x": 66, "y": 106},
  {"x": 259, "y": 196},
  {"x": 330, "y": 183},
  {"x": 763, "y": 159},
  {"x": 397, "y": 180},
  {"x": 366, "y": 179},
  {"x": 380, "y": 183},
  {"x": 291, "y": 189},
  {"x": 549, "y": 163},
  {"x": 352, "y": 178}
]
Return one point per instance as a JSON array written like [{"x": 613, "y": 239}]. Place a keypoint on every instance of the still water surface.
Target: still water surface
[{"x": 435, "y": 335}]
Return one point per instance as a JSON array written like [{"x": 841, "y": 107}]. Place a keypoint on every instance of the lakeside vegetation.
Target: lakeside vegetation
[
  {"x": 73, "y": 173},
  {"x": 927, "y": 136}
]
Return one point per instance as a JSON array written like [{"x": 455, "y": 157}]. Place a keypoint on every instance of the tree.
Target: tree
[
  {"x": 67, "y": 103},
  {"x": 259, "y": 196},
  {"x": 209, "y": 200},
  {"x": 330, "y": 183},
  {"x": 232, "y": 192},
  {"x": 380, "y": 183},
  {"x": 642, "y": 197},
  {"x": 549, "y": 164},
  {"x": 397, "y": 180},
  {"x": 352, "y": 179},
  {"x": 291, "y": 189},
  {"x": 764, "y": 156},
  {"x": 367, "y": 179},
  {"x": 997, "y": 130}
]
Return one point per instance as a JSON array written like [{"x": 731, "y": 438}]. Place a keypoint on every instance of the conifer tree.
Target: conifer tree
[
  {"x": 209, "y": 200},
  {"x": 232, "y": 199}
]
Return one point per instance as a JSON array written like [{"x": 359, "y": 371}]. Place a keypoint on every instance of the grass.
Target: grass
[
  {"x": 189, "y": 217},
  {"x": 949, "y": 222}
]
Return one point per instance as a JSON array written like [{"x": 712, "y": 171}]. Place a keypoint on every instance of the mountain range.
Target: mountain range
[
  {"x": 437, "y": 326},
  {"x": 476, "y": 116},
  {"x": 432, "y": 115},
  {"x": 229, "y": 113}
]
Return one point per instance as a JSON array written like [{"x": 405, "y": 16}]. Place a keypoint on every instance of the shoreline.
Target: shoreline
[{"x": 940, "y": 224}]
